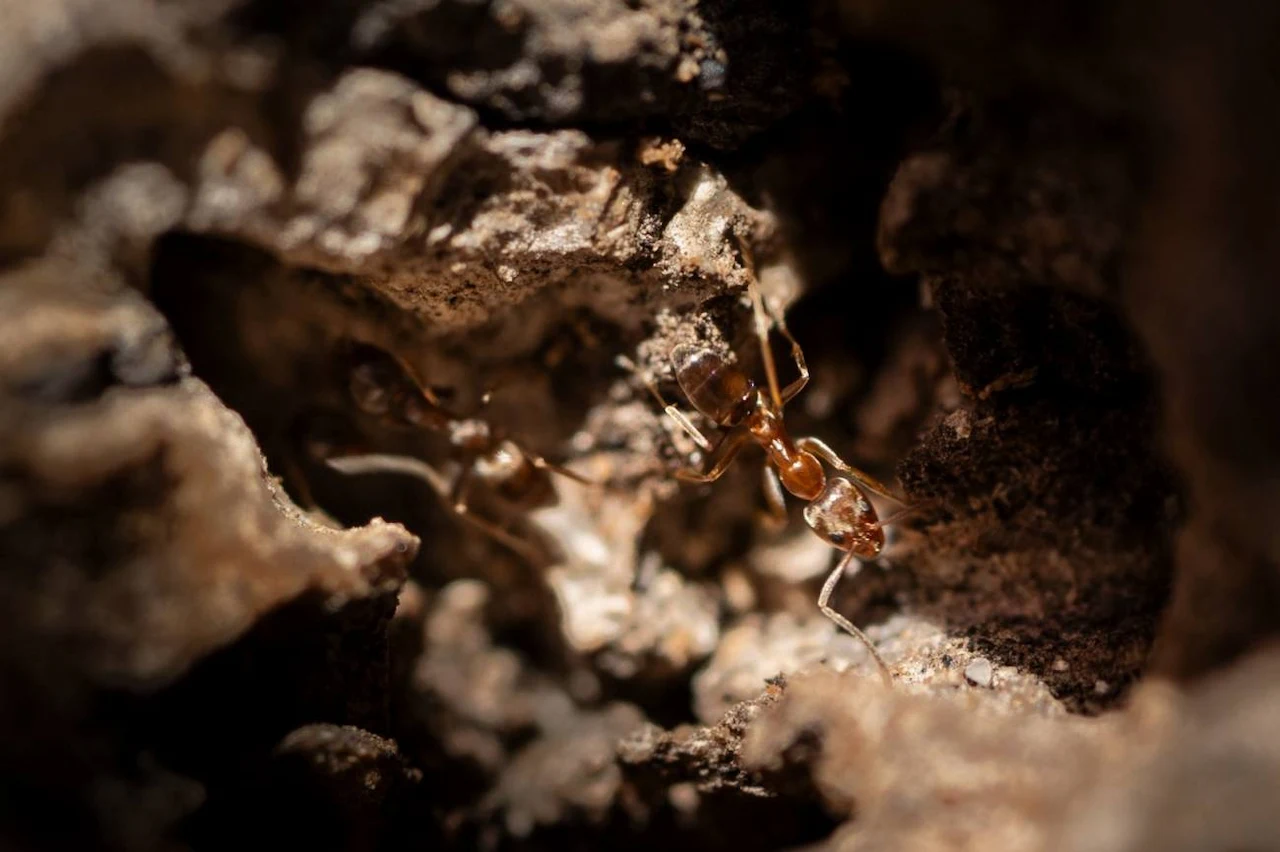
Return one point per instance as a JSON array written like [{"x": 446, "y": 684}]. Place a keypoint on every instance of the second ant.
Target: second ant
[
  {"x": 384, "y": 387},
  {"x": 839, "y": 510}
]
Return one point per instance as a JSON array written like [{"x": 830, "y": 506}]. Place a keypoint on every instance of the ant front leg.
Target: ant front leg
[
  {"x": 824, "y": 598},
  {"x": 725, "y": 452},
  {"x": 765, "y": 319},
  {"x": 763, "y": 323},
  {"x": 790, "y": 391},
  {"x": 797, "y": 353},
  {"x": 866, "y": 480}
]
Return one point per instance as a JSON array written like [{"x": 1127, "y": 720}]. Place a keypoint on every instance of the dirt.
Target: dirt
[{"x": 1029, "y": 262}]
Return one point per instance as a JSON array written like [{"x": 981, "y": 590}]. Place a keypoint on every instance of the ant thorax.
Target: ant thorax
[
  {"x": 508, "y": 470},
  {"x": 470, "y": 434},
  {"x": 502, "y": 463}
]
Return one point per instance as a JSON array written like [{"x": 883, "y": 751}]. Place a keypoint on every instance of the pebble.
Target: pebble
[{"x": 979, "y": 672}]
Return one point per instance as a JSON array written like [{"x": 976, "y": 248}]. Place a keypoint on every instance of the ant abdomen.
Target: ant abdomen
[
  {"x": 843, "y": 517},
  {"x": 712, "y": 385}
]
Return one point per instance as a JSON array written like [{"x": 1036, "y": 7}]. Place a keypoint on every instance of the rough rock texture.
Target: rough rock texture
[
  {"x": 1055, "y": 509},
  {"x": 950, "y": 766},
  {"x": 965, "y": 768},
  {"x": 454, "y": 222},
  {"x": 1029, "y": 258},
  {"x": 338, "y": 786},
  {"x": 718, "y": 73},
  {"x": 127, "y": 604}
]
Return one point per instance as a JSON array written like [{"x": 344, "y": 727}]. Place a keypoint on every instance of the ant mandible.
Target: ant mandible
[
  {"x": 838, "y": 509},
  {"x": 384, "y": 387}
]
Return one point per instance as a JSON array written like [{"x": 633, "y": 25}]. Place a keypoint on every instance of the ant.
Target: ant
[
  {"x": 383, "y": 386},
  {"x": 839, "y": 510}
]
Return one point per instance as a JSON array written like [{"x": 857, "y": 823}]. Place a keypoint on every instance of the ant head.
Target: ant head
[{"x": 843, "y": 516}]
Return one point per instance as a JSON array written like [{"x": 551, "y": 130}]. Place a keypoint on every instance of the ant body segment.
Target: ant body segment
[
  {"x": 384, "y": 387},
  {"x": 838, "y": 509}
]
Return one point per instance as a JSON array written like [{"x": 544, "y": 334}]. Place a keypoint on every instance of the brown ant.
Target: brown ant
[
  {"x": 838, "y": 509},
  {"x": 384, "y": 387}
]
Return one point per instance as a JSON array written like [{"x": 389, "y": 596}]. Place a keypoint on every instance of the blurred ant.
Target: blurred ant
[
  {"x": 384, "y": 387},
  {"x": 838, "y": 509}
]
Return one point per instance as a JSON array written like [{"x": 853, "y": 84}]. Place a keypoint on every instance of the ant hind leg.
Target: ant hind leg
[
  {"x": 823, "y": 604},
  {"x": 775, "y": 516},
  {"x": 821, "y": 450}
]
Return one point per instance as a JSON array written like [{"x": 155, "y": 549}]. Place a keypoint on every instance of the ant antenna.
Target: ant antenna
[{"x": 763, "y": 323}]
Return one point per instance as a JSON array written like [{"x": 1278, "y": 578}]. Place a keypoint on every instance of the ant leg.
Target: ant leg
[
  {"x": 674, "y": 413},
  {"x": 687, "y": 425},
  {"x": 899, "y": 515},
  {"x": 824, "y": 452},
  {"x": 797, "y": 354},
  {"x": 790, "y": 391},
  {"x": 763, "y": 322},
  {"x": 776, "y": 516},
  {"x": 453, "y": 494},
  {"x": 727, "y": 449},
  {"x": 542, "y": 464},
  {"x": 458, "y": 502},
  {"x": 765, "y": 319},
  {"x": 386, "y": 463},
  {"x": 825, "y": 596}
]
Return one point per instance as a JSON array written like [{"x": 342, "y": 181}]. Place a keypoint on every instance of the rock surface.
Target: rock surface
[{"x": 127, "y": 601}]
